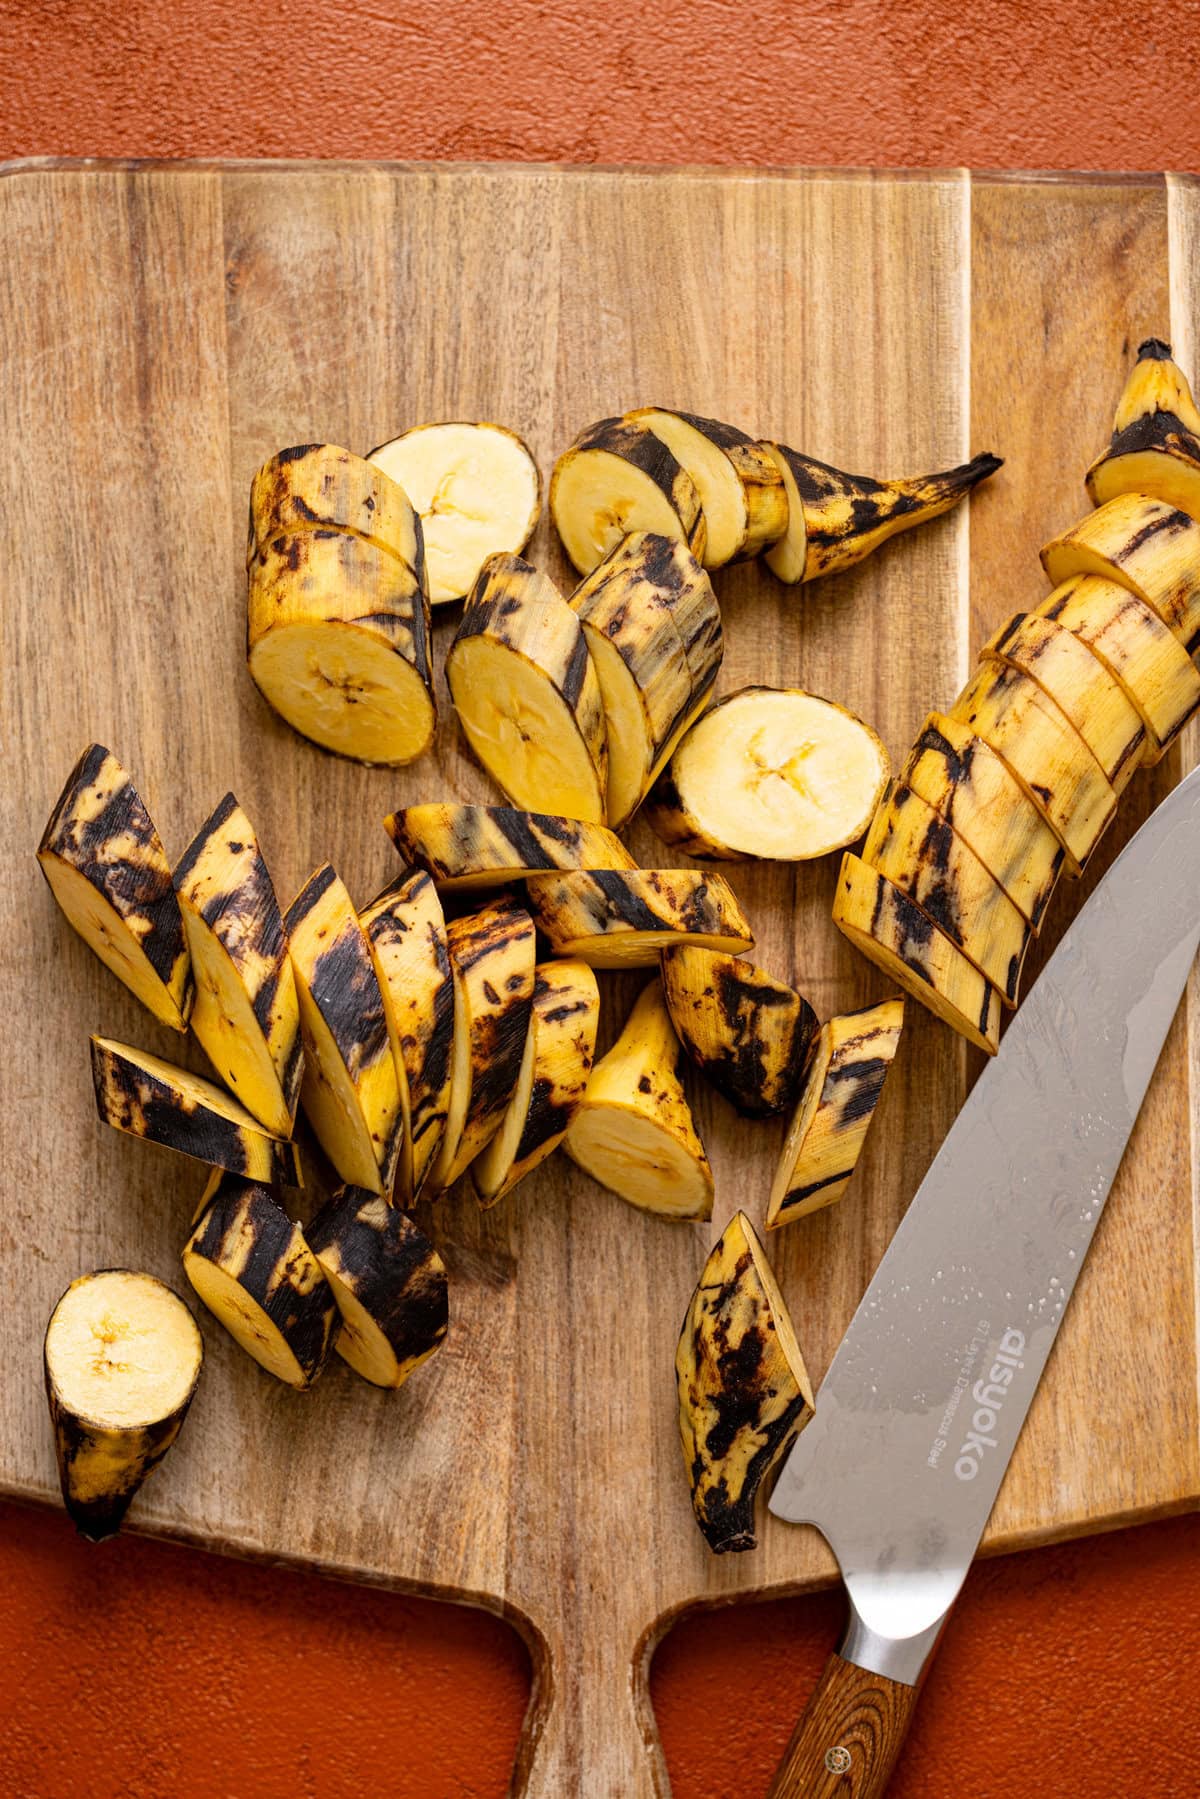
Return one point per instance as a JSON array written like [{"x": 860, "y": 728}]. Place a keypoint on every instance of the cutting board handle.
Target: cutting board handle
[
  {"x": 846, "y": 1744},
  {"x": 590, "y": 1727}
]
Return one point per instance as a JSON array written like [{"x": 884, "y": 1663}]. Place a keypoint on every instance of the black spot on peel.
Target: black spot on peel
[
  {"x": 644, "y": 1083},
  {"x": 1161, "y": 431},
  {"x": 307, "y": 898},
  {"x": 1169, "y": 524},
  {"x": 296, "y": 453},
  {"x": 576, "y": 670},
  {"x": 345, "y": 990}
]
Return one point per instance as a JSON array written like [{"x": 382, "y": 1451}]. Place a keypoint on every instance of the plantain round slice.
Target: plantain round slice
[
  {"x": 465, "y": 847},
  {"x": 321, "y": 487},
  {"x": 749, "y": 1034},
  {"x": 740, "y": 487},
  {"x": 623, "y": 918},
  {"x": 1141, "y": 543},
  {"x": 619, "y": 477},
  {"x": 389, "y": 1283}
]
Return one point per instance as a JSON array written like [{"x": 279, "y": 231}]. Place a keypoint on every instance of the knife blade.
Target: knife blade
[{"x": 921, "y": 1408}]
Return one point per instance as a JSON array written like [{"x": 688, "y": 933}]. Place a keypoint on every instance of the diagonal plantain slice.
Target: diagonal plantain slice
[
  {"x": 748, "y": 1033},
  {"x": 619, "y": 477},
  {"x": 1155, "y": 445},
  {"x": 740, "y": 487},
  {"x": 1143, "y": 544},
  {"x": 389, "y": 1283},
  {"x": 464, "y": 847},
  {"x": 623, "y": 918},
  {"x": 316, "y": 487}
]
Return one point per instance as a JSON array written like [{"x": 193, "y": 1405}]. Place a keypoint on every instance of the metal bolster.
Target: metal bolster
[{"x": 896, "y": 1658}]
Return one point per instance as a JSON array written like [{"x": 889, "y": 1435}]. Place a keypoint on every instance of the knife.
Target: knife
[{"x": 923, "y": 1403}]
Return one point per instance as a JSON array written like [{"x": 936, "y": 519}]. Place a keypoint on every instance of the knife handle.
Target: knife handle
[{"x": 846, "y": 1744}]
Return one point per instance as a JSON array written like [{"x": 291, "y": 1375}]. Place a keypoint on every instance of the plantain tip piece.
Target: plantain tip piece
[
  {"x": 970, "y": 474},
  {"x": 1153, "y": 349}
]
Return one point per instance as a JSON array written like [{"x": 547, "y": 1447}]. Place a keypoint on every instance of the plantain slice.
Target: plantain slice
[
  {"x": 1136, "y": 647},
  {"x": 1141, "y": 543},
  {"x": 749, "y": 1034},
  {"x": 892, "y": 931},
  {"x": 464, "y": 847},
  {"x": 122, "y": 1357},
  {"x": 744, "y": 1392},
  {"x": 246, "y": 1016},
  {"x": 389, "y": 1283},
  {"x": 250, "y": 1264},
  {"x": 772, "y": 774},
  {"x": 740, "y": 487},
  {"x": 406, "y": 930},
  {"x": 1045, "y": 752},
  {"x": 351, "y": 1087},
  {"x": 559, "y": 1047},
  {"x": 616, "y": 478},
  {"x": 634, "y": 1131},
  {"x": 978, "y": 795},
  {"x": 922, "y": 854},
  {"x": 318, "y": 487},
  {"x": 1155, "y": 445},
  {"x": 526, "y": 694},
  {"x": 622, "y": 918},
  {"x": 106, "y": 867},
  {"x": 492, "y": 963},
  {"x": 146, "y": 1097}
]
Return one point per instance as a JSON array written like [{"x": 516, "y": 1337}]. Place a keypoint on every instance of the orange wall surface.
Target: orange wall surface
[{"x": 138, "y": 1670}]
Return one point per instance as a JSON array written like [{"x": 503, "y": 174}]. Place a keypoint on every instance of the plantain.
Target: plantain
[
  {"x": 351, "y": 1087},
  {"x": 252, "y": 1268},
  {"x": 526, "y": 694},
  {"x": 388, "y": 1281},
  {"x": 338, "y": 645},
  {"x": 749, "y": 1034},
  {"x": 835, "y": 519},
  {"x": 1045, "y": 752},
  {"x": 477, "y": 489},
  {"x": 246, "y": 1016},
  {"x": 1137, "y": 649},
  {"x": 622, "y": 918},
  {"x": 464, "y": 847},
  {"x": 772, "y": 774},
  {"x": 321, "y": 487},
  {"x": 975, "y": 791},
  {"x": 653, "y": 630},
  {"x": 917, "y": 850},
  {"x": 492, "y": 963},
  {"x": 617, "y": 478},
  {"x": 1080, "y": 685},
  {"x": 892, "y": 931},
  {"x": 146, "y": 1097},
  {"x": 559, "y": 1049},
  {"x": 740, "y": 487},
  {"x": 406, "y": 930},
  {"x": 1155, "y": 445},
  {"x": 122, "y": 1357},
  {"x": 744, "y": 1392},
  {"x": 1144, "y": 544},
  {"x": 106, "y": 867},
  {"x": 825, "y": 1138},
  {"x": 634, "y": 1132}
]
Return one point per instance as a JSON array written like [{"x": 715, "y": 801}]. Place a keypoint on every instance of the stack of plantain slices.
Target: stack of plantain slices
[{"x": 1023, "y": 774}]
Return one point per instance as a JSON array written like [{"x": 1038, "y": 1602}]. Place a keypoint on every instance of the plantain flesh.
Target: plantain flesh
[
  {"x": 617, "y": 478},
  {"x": 750, "y": 1035}
]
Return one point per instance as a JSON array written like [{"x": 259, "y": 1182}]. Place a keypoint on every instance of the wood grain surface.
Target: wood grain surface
[{"x": 162, "y": 330}]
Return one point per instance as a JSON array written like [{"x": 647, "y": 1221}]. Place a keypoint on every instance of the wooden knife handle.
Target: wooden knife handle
[{"x": 846, "y": 1744}]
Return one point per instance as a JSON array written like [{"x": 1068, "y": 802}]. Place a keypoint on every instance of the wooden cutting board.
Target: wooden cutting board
[{"x": 162, "y": 329}]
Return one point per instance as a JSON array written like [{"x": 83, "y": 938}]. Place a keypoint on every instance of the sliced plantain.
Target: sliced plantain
[
  {"x": 464, "y": 847},
  {"x": 122, "y": 1357},
  {"x": 744, "y": 1392},
  {"x": 526, "y": 694},
  {"x": 835, "y": 520},
  {"x": 1144, "y": 544},
  {"x": 106, "y": 867},
  {"x": 406, "y": 930},
  {"x": 622, "y": 918},
  {"x": 978, "y": 795},
  {"x": 477, "y": 489},
  {"x": 825, "y": 1138},
  {"x": 634, "y": 1131},
  {"x": 559, "y": 1048},
  {"x": 770, "y": 773},
  {"x": 251, "y": 1266},
  {"x": 892, "y": 931},
  {"x": 146, "y": 1097},
  {"x": 1080, "y": 685},
  {"x": 321, "y": 487},
  {"x": 1155, "y": 446},
  {"x": 740, "y": 487},
  {"x": 492, "y": 962},
  {"x": 616, "y": 478},
  {"x": 351, "y": 1087},
  {"x": 338, "y": 645},
  {"x": 1044, "y": 751},
  {"x": 1136, "y": 647},
  {"x": 246, "y": 1016},
  {"x": 749, "y": 1034},
  {"x": 921, "y": 853},
  {"x": 389, "y": 1283}
]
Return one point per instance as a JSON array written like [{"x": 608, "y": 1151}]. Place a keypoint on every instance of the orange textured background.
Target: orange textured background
[{"x": 140, "y": 1670}]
